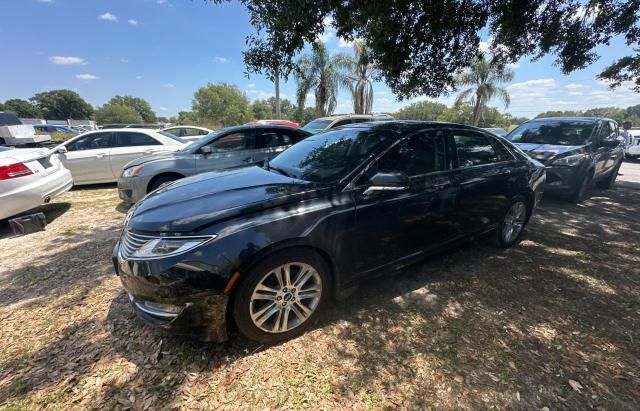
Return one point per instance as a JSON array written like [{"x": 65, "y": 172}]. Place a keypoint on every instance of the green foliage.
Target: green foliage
[
  {"x": 22, "y": 108},
  {"x": 323, "y": 74},
  {"x": 423, "y": 110},
  {"x": 361, "y": 78},
  {"x": 222, "y": 104},
  {"x": 186, "y": 118},
  {"x": 266, "y": 109},
  {"x": 62, "y": 104},
  {"x": 262, "y": 110},
  {"x": 419, "y": 46},
  {"x": 303, "y": 115},
  {"x": 112, "y": 113},
  {"x": 559, "y": 113},
  {"x": 141, "y": 106}
]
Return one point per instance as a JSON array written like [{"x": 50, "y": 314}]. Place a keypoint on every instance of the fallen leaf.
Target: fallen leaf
[{"x": 575, "y": 385}]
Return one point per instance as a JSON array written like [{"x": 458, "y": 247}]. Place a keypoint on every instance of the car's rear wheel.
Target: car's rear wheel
[
  {"x": 281, "y": 296},
  {"x": 513, "y": 222},
  {"x": 610, "y": 180}
]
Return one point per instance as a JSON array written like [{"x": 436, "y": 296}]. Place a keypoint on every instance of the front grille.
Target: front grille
[{"x": 130, "y": 242}]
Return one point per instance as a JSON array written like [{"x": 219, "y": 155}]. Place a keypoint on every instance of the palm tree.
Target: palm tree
[
  {"x": 483, "y": 80},
  {"x": 362, "y": 75},
  {"x": 324, "y": 74}
]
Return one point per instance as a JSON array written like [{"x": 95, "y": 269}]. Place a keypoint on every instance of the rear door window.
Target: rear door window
[
  {"x": 133, "y": 139},
  {"x": 474, "y": 149}
]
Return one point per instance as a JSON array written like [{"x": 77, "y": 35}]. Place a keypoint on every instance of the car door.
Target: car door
[
  {"x": 487, "y": 173},
  {"x": 601, "y": 153},
  {"x": 87, "y": 158},
  {"x": 130, "y": 145},
  {"x": 233, "y": 150},
  {"x": 397, "y": 225}
]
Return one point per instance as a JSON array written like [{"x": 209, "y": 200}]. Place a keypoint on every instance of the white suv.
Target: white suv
[{"x": 325, "y": 123}]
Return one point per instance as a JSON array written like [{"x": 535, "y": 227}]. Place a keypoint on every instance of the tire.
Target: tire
[
  {"x": 579, "y": 195},
  {"x": 268, "y": 312},
  {"x": 162, "y": 180},
  {"x": 610, "y": 180},
  {"x": 516, "y": 216}
]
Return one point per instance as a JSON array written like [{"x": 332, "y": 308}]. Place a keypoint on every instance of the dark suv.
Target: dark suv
[{"x": 575, "y": 150}]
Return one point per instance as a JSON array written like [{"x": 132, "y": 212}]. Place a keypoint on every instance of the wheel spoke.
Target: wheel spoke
[
  {"x": 277, "y": 323},
  {"x": 278, "y": 275},
  {"x": 303, "y": 277},
  {"x": 263, "y": 295},
  {"x": 309, "y": 293},
  {"x": 264, "y": 314},
  {"x": 286, "y": 271}
]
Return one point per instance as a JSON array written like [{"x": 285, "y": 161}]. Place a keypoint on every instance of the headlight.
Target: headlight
[
  {"x": 169, "y": 246},
  {"x": 132, "y": 171},
  {"x": 569, "y": 161}
]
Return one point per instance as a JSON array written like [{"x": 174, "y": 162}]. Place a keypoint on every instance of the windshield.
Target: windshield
[
  {"x": 317, "y": 126},
  {"x": 330, "y": 156},
  {"x": 557, "y": 132}
]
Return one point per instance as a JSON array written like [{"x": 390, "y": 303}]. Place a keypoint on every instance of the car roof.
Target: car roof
[
  {"x": 258, "y": 126},
  {"x": 568, "y": 118},
  {"x": 404, "y": 125},
  {"x": 344, "y": 116}
]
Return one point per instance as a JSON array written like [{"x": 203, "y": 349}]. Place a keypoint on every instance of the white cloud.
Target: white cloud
[
  {"x": 329, "y": 32},
  {"x": 485, "y": 45},
  {"x": 251, "y": 85},
  {"x": 344, "y": 43},
  {"x": 576, "y": 93},
  {"x": 262, "y": 94},
  {"x": 168, "y": 85},
  {"x": 531, "y": 85},
  {"x": 221, "y": 59},
  {"x": 513, "y": 65},
  {"x": 385, "y": 100},
  {"x": 162, "y": 109},
  {"x": 46, "y": 1},
  {"x": 161, "y": 1},
  {"x": 139, "y": 77},
  {"x": 87, "y": 77},
  {"x": 67, "y": 60},
  {"x": 108, "y": 17},
  {"x": 133, "y": 22},
  {"x": 574, "y": 85}
]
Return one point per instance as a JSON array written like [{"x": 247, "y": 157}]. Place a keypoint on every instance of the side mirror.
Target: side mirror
[
  {"x": 394, "y": 181},
  {"x": 61, "y": 150},
  {"x": 206, "y": 150}
]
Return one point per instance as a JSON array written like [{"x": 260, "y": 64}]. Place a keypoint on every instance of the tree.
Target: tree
[
  {"x": 613, "y": 113},
  {"x": 221, "y": 103},
  {"x": 421, "y": 45},
  {"x": 422, "y": 110},
  {"x": 559, "y": 113},
  {"x": 186, "y": 118},
  {"x": 463, "y": 114},
  {"x": 362, "y": 75},
  {"x": 303, "y": 115},
  {"x": 140, "y": 105},
  {"x": 22, "y": 108},
  {"x": 324, "y": 74},
  {"x": 483, "y": 79},
  {"x": 287, "y": 108},
  {"x": 62, "y": 105},
  {"x": 262, "y": 110},
  {"x": 113, "y": 113}
]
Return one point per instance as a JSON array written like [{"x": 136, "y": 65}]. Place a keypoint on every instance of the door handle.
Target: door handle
[
  {"x": 150, "y": 151},
  {"x": 101, "y": 155},
  {"x": 248, "y": 160}
]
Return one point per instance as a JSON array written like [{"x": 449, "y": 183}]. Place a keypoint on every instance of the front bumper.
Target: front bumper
[
  {"x": 562, "y": 180},
  {"x": 132, "y": 189},
  {"x": 190, "y": 291}
]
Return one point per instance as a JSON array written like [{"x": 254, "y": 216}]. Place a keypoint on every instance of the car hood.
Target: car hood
[
  {"x": 171, "y": 155},
  {"x": 546, "y": 152},
  {"x": 190, "y": 204}
]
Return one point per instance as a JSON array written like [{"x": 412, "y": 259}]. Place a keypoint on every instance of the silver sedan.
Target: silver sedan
[{"x": 228, "y": 148}]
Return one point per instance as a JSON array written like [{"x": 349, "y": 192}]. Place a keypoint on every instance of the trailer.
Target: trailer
[{"x": 14, "y": 133}]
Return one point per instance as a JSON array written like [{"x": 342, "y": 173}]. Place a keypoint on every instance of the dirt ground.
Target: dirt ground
[{"x": 553, "y": 323}]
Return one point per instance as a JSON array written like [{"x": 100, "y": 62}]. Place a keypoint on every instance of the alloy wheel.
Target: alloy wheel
[
  {"x": 514, "y": 222},
  {"x": 285, "y": 297}
]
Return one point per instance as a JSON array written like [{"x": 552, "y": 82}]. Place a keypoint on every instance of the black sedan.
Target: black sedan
[{"x": 268, "y": 246}]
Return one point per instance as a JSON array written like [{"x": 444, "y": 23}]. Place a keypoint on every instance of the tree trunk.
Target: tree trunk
[
  {"x": 278, "y": 116},
  {"x": 477, "y": 109}
]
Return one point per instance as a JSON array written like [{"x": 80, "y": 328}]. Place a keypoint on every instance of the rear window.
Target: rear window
[{"x": 9, "y": 119}]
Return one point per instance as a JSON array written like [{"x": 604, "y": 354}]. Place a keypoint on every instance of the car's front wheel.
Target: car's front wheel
[
  {"x": 610, "y": 180},
  {"x": 281, "y": 296}
]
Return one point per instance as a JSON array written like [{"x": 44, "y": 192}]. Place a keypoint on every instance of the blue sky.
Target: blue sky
[{"x": 163, "y": 50}]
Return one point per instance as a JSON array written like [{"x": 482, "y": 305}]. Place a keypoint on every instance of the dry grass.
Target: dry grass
[{"x": 553, "y": 322}]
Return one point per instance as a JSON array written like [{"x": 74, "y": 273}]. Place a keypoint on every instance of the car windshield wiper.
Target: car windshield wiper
[{"x": 279, "y": 170}]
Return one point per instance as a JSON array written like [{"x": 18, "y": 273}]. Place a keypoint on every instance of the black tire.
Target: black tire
[
  {"x": 162, "y": 180},
  {"x": 503, "y": 241},
  {"x": 610, "y": 181},
  {"x": 581, "y": 191},
  {"x": 242, "y": 305}
]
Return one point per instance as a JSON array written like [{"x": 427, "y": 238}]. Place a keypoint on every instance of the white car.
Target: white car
[
  {"x": 99, "y": 156},
  {"x": 188, "y": 133},
  {"x": 633, "y": 149},
  {"x": 30, "y": 177}
]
